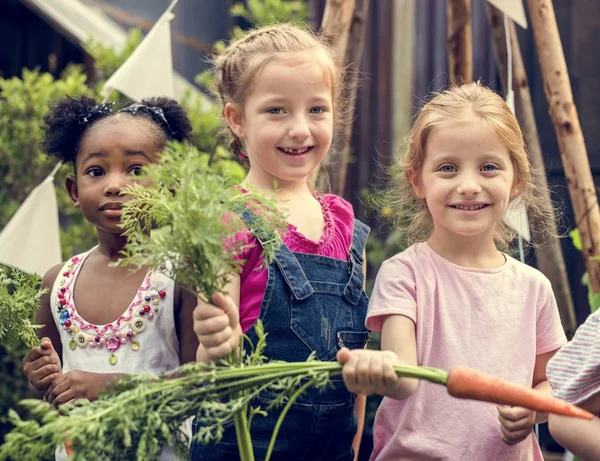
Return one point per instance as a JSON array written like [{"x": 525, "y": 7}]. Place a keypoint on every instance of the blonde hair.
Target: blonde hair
[
  {"x": 235, "y": 69},
  {"x": 410, "y": 213}
]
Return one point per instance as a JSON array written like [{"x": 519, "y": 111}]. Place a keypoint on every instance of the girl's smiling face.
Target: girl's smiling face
[
  {"x": 466, "y": 179},
  {"x": 286, "y": 121}
]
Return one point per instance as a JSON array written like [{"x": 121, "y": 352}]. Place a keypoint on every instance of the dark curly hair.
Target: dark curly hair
[{"x": 70, "y": 119}]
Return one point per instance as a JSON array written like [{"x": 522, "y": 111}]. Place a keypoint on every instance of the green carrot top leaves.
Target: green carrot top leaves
[
  {"x": 197, "y": 213},
  {"x": 19, "y": 298}
]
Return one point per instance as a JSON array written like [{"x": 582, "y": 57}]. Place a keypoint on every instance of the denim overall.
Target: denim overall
[{"x": 312, "y": 304}]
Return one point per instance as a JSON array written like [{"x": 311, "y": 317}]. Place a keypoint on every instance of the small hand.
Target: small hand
[
  {"x": 42, "y": 365},
  {"x": 516, "y": 423},
  {"x": 369, "y": 372},
  {"x": 217, "y": 326},
  {"x": 73, "y": 385}
]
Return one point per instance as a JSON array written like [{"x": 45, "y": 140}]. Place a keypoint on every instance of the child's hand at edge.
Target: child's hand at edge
[
  {"x": 79, "y": 384},
  {"x": 217, "y": 326},
  {"x": 42, "y": 366},
  {"x": 372, "y": 372},
  {"x": 516, "y": 423}
]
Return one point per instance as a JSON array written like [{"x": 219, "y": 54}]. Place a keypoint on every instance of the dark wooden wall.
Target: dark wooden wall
[
  {"x": 372, "y": 146},
  {"x": 29, "y": 42}
]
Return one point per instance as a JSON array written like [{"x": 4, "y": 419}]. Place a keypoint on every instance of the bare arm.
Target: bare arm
[
  {"x": 44, "y": 313},
  {"x": 540, "y": 381},
  {"x": 188, "y": 341},
  {"x": 398, "y": 335},
  {"x": 579, "y": 436}
]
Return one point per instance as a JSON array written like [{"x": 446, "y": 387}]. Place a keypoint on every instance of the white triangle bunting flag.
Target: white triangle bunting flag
[
  {"x": 514, "y": 9},
  {"x": 31, "y": 241},
  {"x": 148, "y": 71},
  {"x": 516, "y": 217}
]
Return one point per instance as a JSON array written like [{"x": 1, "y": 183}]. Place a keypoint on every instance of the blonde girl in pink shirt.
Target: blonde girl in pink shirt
[{"x": 453, "y": 297}]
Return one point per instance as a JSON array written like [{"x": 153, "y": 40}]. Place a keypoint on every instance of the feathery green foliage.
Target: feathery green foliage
[
  {"x": 19, "y": 298},
  {"x": 195, "y": 211},
  {"x": 155, "y": 407},
  {"x": 264, "y": 12}
]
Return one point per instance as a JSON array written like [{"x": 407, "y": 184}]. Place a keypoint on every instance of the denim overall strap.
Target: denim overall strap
[
  {"x": 354, "y": 287},
  {"x": 292, "y": 272},
  {"x": 288, "y": 264}
]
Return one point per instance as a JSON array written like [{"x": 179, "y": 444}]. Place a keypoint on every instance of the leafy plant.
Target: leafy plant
[
  {"x": 19, "y": 298},
  {"x": 265, "y": 12},
  {"x": 593, "y": 298},
  {"x": 194, "y": 207}
]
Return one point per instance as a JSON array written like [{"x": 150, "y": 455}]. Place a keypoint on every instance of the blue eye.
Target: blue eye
[
  {"x": 317, "y": 110},
  {"x": 94, "y": 172},
  {"x": 275, "y": 111},
  {"x": 489, "y": 167},
  {"x": 447, "y": 168}
]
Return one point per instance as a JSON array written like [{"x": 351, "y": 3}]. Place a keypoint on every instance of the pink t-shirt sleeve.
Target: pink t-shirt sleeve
[
  {"x": 549, "y": 331},
  {"x": 394, "y": 293}
]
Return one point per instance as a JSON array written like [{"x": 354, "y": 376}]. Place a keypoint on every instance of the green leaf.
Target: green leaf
[
  {"x": 594, "y": 300},
  {"x": 576, "y": 238}
]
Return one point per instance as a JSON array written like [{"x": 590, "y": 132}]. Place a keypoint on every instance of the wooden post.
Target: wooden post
[
  {"x": 568, "y": 130},
  {"x": 344, "y": 24},
  {"x": 548, "y": 254},
  {"x": 335, "y": 26},
  {"x": 460, "y": 41}
]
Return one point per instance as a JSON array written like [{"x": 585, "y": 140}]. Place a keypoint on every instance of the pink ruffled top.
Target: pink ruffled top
[{"x": 334, "y": 243}]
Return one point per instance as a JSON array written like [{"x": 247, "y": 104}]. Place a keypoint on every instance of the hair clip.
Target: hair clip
[
  {"x": 97, "y": 112},
  {"x": 156, "y": 113}
]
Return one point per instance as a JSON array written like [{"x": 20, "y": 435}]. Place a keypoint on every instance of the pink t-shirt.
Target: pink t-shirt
[
  {"x": 493, "y": 320},
  {"x": 334, "y": 243}
]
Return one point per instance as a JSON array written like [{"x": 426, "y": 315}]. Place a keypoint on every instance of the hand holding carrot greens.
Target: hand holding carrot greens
[
  {"x": 372, "y": 372},
  {"x": 217, "y": 327}
]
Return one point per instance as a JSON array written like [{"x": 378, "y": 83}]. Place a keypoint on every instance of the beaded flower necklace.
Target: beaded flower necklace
[{"x": 113, "y": 335}]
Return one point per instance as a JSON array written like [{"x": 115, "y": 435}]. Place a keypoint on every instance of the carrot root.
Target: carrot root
[
  {"x": 466, "y": 383},
  {"x": 69, "y": 448}
]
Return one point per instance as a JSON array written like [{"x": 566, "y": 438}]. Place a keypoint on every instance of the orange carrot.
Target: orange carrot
[
  {"x": 466, "y": 383},
  {"x": 69, "y": 447}
]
